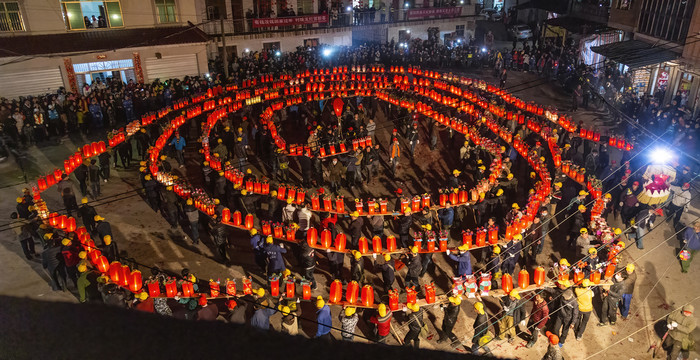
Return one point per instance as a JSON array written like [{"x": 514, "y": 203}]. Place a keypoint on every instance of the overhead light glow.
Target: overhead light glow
[
  {"x": 327, "y": 52},
  {"x": 661, "y": 155}
]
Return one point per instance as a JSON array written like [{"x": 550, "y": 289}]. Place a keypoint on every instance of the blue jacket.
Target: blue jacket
[
  {"x": 324, "y": 321},
  {"x": 179, "y": 144},
  {"x": 261, "y": 319},
  {"x": 692, "y": 239},
  {"x": 464, "y": 263},
  {"x": 512, "y": 253},
  {"x": 274, "y": 258},
  {"x": 256, "y": 242},
  {"x": 447, "y": 216}
]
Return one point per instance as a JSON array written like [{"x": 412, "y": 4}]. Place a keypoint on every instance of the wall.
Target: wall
[
  {"x": 691, "y": 51},
  {"x": 288, "y": 42},
  {"x": 625, "y": 19},
  {"x": 421, "y": 30}
]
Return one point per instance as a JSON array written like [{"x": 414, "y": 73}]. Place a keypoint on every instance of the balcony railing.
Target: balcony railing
[{"x": 347, "y": 18}]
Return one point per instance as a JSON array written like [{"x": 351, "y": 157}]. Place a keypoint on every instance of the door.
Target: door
[{"x": 172, "y": 66}]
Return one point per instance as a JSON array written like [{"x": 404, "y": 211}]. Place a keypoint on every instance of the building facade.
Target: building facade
[{"x": 68, "y": 43}]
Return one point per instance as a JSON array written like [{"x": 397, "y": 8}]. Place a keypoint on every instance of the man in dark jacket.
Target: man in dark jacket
[
  {"x": 514, "y": 313},
  {"x": 415, "y": 324},
  {"x": 87, "y": 213},
  {"x": 405, "y": 223},
  {"x": 413, "y": 263},
  {"x": 307, "y": 260},
  {"x": 355, "y": 229},
  {"x": 81, "y": 173},
  {"x": 388, "y": 269},
  {"x": 578, "y": 221},
  {"x": 611, "y": 296},
  {"x": 512, "y": 254},
  {"x": 450, "y": 319},
  {"x": 463, "y": 259},
  {"x": 357, "y": 267},
  {"x": 566, "y": 310},
  {"x": 94, "y": 175},
  {"x": 102, "y": 227},
  {"x": 629, "y": 279},
  {"x": 275, "y": 261},
  {"x": 481, "y": 326},
  {"x": 52, "y": 261}
]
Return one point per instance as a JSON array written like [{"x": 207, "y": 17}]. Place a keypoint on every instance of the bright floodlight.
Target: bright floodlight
[
  {"x": 247, "y": 50},
  {"x": 407, "y": 5},
  {"x": 327, "y": 52},
  {"x": 408, "y": 31},
  {"x": 349, "y": 8},
  {"x": 661, "y": 155},
  {"x": 278, "y": 53},
  {"x": 483, "y": 49}
]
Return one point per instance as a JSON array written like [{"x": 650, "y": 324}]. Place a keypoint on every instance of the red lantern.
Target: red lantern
[
  {"x": 338, "y": 106},
  {"x": 312, "y": 236},
  {"x": 231, "y": 287},
  {"x": 411, "y": 295},
  {"x": 523, "y": 279},
  {"x": 393, "y": 300},
  {"x": 493, "y": 235},
  {"x": 340, "y": 205},
  {"x": 481, "y": 237},
  {"x": 102, "y": 264},
  {"x": 236, "y": 218},
  {"x": 352, "y": 292},
  {"x": 326, "y": 239},
  {"x": 507, "y": 283},
  {"x": 595, "y": 277},
  {"x": 336, "y": 292},
  {"x": 289, "y": 288},
  {"x": 306, "y": 290},
  {"x": 115, "y": 271},
  {"x": 430, "y": 293},
  {"x": 539, "y": 276},
  {"x": 153, "y": 288},
  {"x": 415, "y": 204},
  {"x": 187, "y": 289},
  {"x": 390, "y": 243},
  {"x": 171, "y": 288},
  {"x": 467, "y": 238},
  {"x": 367, "y": 296},
  {"x": 249, "y": 221},
  {"x": 362, "y": 245},
  {"x": 377, "y": 244},
  {"x": 609, "y": 270},
  {"x": 70, "y": 226},
  {"x": 340, "y": 242},
  {"x": 274, "y": 285},
  {"x": 578, "y": 276}
]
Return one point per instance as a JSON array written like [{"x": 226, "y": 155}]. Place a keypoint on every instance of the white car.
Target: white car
[
  {"x": 520, "y": 32},
  {"x": 490, "y": 14}
]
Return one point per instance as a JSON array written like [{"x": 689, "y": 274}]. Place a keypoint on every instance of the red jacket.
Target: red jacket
[
  {"x": 383, "y": 324},
  {"x": 540, "y": 315}
]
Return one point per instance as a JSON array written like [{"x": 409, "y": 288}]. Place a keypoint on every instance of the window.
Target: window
[
  {"x": 311, "y": 42},
  {"x": 667, "y": 20},
  {"x": 624, "y": 4},
  {"x": 271, "y": 45},
  {"x": 166, "y": 11},
  {"x": 10, "y": 17},
  {"x": 459, "y": 30},
  {"x": 85, "y": 14}
]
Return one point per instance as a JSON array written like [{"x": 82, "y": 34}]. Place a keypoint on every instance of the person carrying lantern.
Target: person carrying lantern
[
  {"x": 493, "y": 263},
  {"x": 584, "y": 297},
  {"x": 680, "y": 324},
  {"x": 394, "y": 155},
  {"x": 514, "y": 213},
  {"x": 109, "y": 249},
  {"x": 275, "y": 261},
  {"x": 323, "y": 318},
  {"x": 357, "y": 267},
  {"x": 512, "y": 254},
  {"x": 584, "y": 242},
  {"x": 578, "y": 222},
  {"x": 463, "y": 259},
  {"x": 480, "y": 326},
  {"x": 102, "y": 227},
  {"x": 357, "y": 223},
  {"x": 449, "y": 321},
  {"x": 405, "y": 223},
  {"x": 348, "y": 321},
  {"x": 290, "y": 324},
  {"x": 561, "y": 269},
  {"x": 335, "y": 174},
  {"x": 593, "y": 261},
  {"x": 261, "y": 317},
  {"x": 87, "y": 213},
  {"x": 629, "y": 279},
  {"x": 555, "y": 198},
  {"x": 383, "y": 323},
  {"x": 415, "y": 325},
  {"x": 388, "y": 269},
  {"x": 257, "y": 243},
  {"x": 413, "y": 263},
  {"x": 611, "y": 296},
  {"x": 453, "y": 181},
  {"x": 691, "y": 240},
  {"x": 538, "y": 318},
  {"x": 514, "y": 315},
  {"x": 566, "y": 310}
]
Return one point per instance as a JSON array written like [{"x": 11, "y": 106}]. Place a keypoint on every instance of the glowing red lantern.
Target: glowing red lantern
[
  {"x": 367, "y": 296},
  {"x": 336, "y": 291},
  {"x": 352, "y": 292}
]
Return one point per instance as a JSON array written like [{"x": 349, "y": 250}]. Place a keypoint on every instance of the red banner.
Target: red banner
[
  {"x": 290, "y": 21},
  {"x": 446, "y": 11}
]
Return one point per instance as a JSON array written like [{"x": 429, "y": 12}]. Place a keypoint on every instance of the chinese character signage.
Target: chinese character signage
[
  {"x": 445, "y": 12},
  {"x": 290, "y": 21}
]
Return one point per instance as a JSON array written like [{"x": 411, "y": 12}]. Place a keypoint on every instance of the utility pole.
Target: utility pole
[{"x": 224, "y": 55}]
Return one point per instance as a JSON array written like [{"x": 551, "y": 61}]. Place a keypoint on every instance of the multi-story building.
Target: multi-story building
[
  {"x": 45, "y": 45},
  {"x": 661, "y": 47},
  {"x": 253, "y": 25}
]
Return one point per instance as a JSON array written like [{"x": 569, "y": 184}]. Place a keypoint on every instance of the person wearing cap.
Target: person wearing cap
[
  {"x": 335, "y": 174},
  {"x": 414, "y": 265},
  {"x": 480, "y": 326},
  {"x": 388, "y": 269},
  {"x": 220, "y": 149},
  {"x": 691, "y": 241},
  {"x": 574, "y": 204},
  {"x": 219, "y": 235},
  {"x": 493, "y": 261},
  {"x": 680, "y": 324},
  {"x": 449, "y": 320},
  {"x": 355, "y": 227},
  {"x": 87, "y": 213},
  {"x": 446, "y": 217},
  {"x": 584, "y": 298},
  {"x": 348, "y": 322},
  {"x": 264, "y": 309},
  {"x": 357, "y": 267},
  {"x": 323, "y": 318},
  {"x": 257, "y": 242},
  {"x": 629, "y": 276},
  {"x": 394, "y": 155},
  {"x": 382, "y": 320},
  {"x": 511, "y": 255},
  {"x": 628, "y": 205},
  {"x": 405, "y": 222},
  {"x": 192, "y": 215},
  {"x": 415, "y": 325},
  {"x": 412, "y": 138},
  {"x": 464, "y": 153},
  {"x": 584, "y": 242},
  {"x": 565, "y": 309},
  {"x": 288, "y": 211},
  {"x": 178, "y": 144},
  {"x": 643, "y": 223},
  {"x": 591, "y": 163},
  {"x": 513, "y": 315},
  {"x": 87, "y": 285},
  {"x": 53, "y": 261},
  {"x": 578, "y": 221},
  {"x": 290, "y": 324},
  {"x": 534, "y": 240},
  {"x": 109, "y": 249},
  {"x": 275, "y": 261},
  {"x": 611, "y": 296},
  {"x": 463, "y": 259},
  {"x": 453, "y": 181},
  {"x": 679, "y": 202},
  {"x": 538, "y": 318},
  {"x": 554, "y": 348},
  {"x": 102, "y": 227},
  {"x": 151, "y": 186}
]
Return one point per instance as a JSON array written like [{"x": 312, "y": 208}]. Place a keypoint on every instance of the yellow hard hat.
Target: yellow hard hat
[
  {"x": 107, "y": 239},
  {"x": 219, "y": 141},
  {"x": 354, "y": 214},
  {"x": 517, "y": 237},
  {"x": 319, "y": 302},
  {"x": 533, "y": 174},
  {"x": 65, "y": 242},
  {"x": 428, "y": 227},
  {"x": 221, "y": 173},
  {"x": 592, "y": 251},
  {"x": 499, "y": 192},
  {"x": 82, "y": 254},
  {"x": 84, "y": 200},
  {"x": 479, "y": 307},
  {"x": 290, "y": 200},
  {"x": 618, "y": 231},
  {"x": 19, "y": 200},
  {"x": 414, "y": 249},
  {"x": 253, "y": 232},
  {"x": 542, "y": 158},
  {"x": 387, "y": 257},
  {"x": 496, "y": 249},
  {"x": 82, "y": 267},
  {"x": 227, "y": 128},
  {"x": 163, "y": 157},
  {"x": 457, "y": 300},
  {"x": 260, "y": 292},
  {"x": 514, "y": 294},
  {"x": 98, "y": 218},
  {"x": 244, "y": 192},
  {"x": 558, "y": 184},
  {"x": 564, "y": 283},
  {"x": 269, "y": 239},
  {"x": 463, "y": 247},
  {"x": 608, "y": 196},
  {"x": 583, "y": 231},
  {"x": 147, "y": 177},
  {"x": 509, "y": 176},
  {"x": 286, "y": 310},
  {"x": 142, "y": 169},
  {"x": 240, "y": 129},
  {"x": 582, "y": 193},
  {"x": 621, "y": 244},
  {"x": 581, "y": 207},
  {"x": 482, "y": 167},
  {"x": 407, "y": 211},
  {"x": 456, "y": 172},
  {"x": 630, "y": 268},
  {"x": 564, "y": 262},
  {"x": 466, "y": 143},
  {"x": 515, "y": 206},
  {"x": 273, "y": 193},
  {"x": 350, "y": 311},
  {"x": 206, "y": 163},
  {"x": 169, "y": 188},
  {"x": 48, "y": 236},
  {"x": 356, "y": 254},
  {"x": 286, "y": 272},
  {"x": 189, "y": 201},
  {"x": 143, "y": 296},
  {"x": 381, "y": 309},
  {"x": 142, "y": 163},
  {"x": 248, "y": 171},
  {"x": 217, "y": 201},
  {"x": 586, "y": 283},
  {"x": 413, "y": 307}
]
